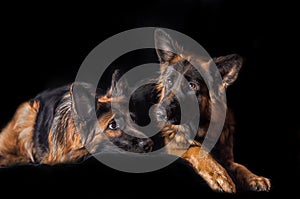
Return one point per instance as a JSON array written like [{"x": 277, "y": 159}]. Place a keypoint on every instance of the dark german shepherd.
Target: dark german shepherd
[
  {"x": 44, "y": 130},
  {"x": 213, "y": 167},
  {"x": 217, "y": 168}
]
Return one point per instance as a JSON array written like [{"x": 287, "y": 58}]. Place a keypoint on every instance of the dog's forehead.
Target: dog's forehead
[
  {"x": 103, "y": 108},
  {"x": 119, "y": 107},
  {"x": 186, "y": 69}
]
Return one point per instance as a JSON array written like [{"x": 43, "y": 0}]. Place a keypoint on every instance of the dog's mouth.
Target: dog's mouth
[{"x": 136, "y": 145}]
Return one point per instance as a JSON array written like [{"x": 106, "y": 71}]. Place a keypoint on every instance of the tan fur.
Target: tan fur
[
  {"x": 16, "y": 143},
  {"x": 68, "y": 136},
  {"x": 213, "y": 173},
  {"x": 68, "y": 150},
  {"x": 213, "y": 167},
  {"x": 105, "y": 119}
]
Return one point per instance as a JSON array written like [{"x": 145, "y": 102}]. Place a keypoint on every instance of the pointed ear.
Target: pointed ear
[
  {"x": 83, "y": 100},
  {"x": 118, "y": 85},
  {"x": 229, "y": 67},
  {"x": 165, "y": 46}
]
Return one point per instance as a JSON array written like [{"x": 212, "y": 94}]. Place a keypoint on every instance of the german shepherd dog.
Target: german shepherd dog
[
  {"x": 43, "y": 130},
  {"x": 217, "y": 167}
]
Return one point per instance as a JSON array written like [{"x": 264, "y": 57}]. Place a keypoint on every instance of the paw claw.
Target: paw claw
[{"x": 259, "y": 184}]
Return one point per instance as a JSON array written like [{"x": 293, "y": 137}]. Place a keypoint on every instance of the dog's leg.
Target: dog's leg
[
  {"x": 247, "y": 180},
  {"x": 209, "y": 169},
  {"x": 16, "y": 145},
  {"x": 243, "y": 177}
]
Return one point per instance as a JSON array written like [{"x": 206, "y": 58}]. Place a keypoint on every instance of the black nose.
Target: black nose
[{"x": 146, "y": 144}]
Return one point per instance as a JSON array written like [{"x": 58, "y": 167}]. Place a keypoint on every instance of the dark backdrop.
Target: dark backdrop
[{"x": 43, "y": 47}]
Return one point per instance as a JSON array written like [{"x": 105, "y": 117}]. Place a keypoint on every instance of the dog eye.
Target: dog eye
[
  {"x": 113, "y": 125},
  {"x": 169, "y": 81},
  {"x": 193, "y": 86}
]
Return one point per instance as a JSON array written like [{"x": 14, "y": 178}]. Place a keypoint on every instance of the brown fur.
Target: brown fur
[
  {"x": 73, "y": 133},
  {"x": 217, "y": 167},
  {"x": 16, "y": 144}
]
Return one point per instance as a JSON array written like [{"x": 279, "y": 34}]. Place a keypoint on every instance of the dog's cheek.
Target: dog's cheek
[{"x": 111, "y": 134}]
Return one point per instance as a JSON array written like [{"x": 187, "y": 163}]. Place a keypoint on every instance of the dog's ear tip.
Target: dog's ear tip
[
  {"x": 239, "y": 60},
  {"x": 116, "y": 71},
  {"x": 116, "y": 75},
  {"x": 159, "y": 31},
  {"x": 237, "y": 56},
  {"x": 160, "y": 34},
  {"x": 233, "y": 56}
]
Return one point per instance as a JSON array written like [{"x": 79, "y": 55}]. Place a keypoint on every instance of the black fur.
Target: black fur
[{"x": 49, "y": 101}]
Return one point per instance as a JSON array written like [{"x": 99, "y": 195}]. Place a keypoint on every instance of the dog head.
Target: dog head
[
  {"x": 105, "y": 130},
  {"x": 180, "y": 81}
]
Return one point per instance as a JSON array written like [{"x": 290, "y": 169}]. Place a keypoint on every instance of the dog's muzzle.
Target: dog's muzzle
[{"x": 146, "y": 144}]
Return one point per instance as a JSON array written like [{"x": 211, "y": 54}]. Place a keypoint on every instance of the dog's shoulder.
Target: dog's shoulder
[{"x": 48, "y": 100}]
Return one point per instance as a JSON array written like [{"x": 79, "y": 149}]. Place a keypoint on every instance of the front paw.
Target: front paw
[
  {"x": 220, "y": 181},
  {"x": 258, "y": 183},
  {"x": 210, "y": 170}
]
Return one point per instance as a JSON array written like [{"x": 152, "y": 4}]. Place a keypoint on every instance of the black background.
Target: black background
[{"x": 43, "y": 46}]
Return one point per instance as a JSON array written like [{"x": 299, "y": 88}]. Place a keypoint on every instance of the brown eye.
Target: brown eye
[
  {"x": 193, "y": 86},
  {"x": 113, "y": 125},
  {"x": 169, "y": 82}
]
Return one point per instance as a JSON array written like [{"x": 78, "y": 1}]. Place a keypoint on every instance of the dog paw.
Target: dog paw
[
  {"x": 220, "y": 181},
  {"x": 258, "y": 183},
  {"x": 223, "y": 184}
]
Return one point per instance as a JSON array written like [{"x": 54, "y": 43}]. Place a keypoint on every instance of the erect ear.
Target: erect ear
[
  {"x": 118, "y": 86},
  {"x": 166, "y": 48},
  {"x": 83, "y": 100},
  {"x": 229, "y": 67}
]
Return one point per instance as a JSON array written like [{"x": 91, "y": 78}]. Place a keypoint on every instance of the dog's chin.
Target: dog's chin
[{"x": 113, "y": 148}]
